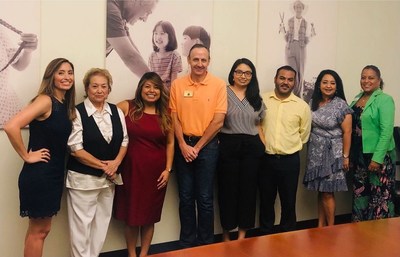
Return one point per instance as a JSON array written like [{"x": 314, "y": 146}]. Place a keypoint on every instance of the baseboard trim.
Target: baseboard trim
[{"x": 174, "y": 245}]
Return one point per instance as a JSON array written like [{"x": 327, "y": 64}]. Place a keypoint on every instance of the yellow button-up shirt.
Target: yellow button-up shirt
[{"x": 287, "y": 124}]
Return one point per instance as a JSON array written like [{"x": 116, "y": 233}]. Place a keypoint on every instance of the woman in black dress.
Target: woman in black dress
[{"x": 49, "y": 116}]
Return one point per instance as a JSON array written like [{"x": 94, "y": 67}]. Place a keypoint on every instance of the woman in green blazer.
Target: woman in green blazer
[{"x": 372, "y": 149}]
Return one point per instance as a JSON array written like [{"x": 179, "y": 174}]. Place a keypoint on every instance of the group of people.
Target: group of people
[
  {"x": 121, "y": 156},
  {"x": 356, "y": 137},
  {"x": 95, "y": 134},
  {"x": 340, "y": 138}
]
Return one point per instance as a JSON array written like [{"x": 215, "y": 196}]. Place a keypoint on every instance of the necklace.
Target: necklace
[
  {"x": 364, "y": 98},
  {"x": 362, "y": 101},
  {"x": 61, "y": 100}
]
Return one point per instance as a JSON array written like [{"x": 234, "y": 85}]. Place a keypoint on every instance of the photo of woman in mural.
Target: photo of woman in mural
[
  {"x": 18, "y": 58},
  {"x": 297, "y": 35},
  {"x": 165, "y": 60}
]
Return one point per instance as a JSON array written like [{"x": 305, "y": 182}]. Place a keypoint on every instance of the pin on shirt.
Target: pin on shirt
[{"x": 188, "y": 93}]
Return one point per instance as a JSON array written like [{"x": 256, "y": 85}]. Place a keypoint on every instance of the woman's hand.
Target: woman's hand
[
  {"x": 346, "y": 164},
  {"x": 42, "y": 155},
  {"x": 374, "y": 166},
  {"x": 163, "y": 179},
  {"x": 110, "y": 167},
  {"x": 112, "y": 178}
]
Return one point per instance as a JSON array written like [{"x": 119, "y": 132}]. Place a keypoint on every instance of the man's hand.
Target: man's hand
[{"x": 188, "y": 152}]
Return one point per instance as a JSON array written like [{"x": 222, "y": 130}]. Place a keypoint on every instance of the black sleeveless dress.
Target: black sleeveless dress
[{"x": 41, "y": 184}]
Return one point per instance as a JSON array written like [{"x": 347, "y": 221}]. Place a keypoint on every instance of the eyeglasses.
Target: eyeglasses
[{"x": 247, "y": 74}]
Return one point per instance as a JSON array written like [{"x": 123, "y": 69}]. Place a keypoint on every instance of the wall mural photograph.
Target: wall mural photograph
[
  {"x": 300, "y": 34},
  {"x": 150, "y": 35},
  {"x": 155, "y": 35},
  {"x": 19, "y": 55}
]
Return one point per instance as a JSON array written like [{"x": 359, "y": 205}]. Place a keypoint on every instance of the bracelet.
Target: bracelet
[
  {"x": 170, "y": 170},
  {"x": 345, "y": 156}
]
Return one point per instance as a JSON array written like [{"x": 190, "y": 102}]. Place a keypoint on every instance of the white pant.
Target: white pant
[{"x": 89, "y": 214}]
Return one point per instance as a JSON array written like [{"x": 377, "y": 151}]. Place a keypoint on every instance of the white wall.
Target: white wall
[{"x": 368, "y": 33}]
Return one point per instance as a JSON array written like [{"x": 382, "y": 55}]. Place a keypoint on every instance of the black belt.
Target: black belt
[
  {"x": 191, "y": 138},
  {"x": 281, "y": 156}
]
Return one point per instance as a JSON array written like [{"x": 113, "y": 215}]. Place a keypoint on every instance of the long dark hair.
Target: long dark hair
[
  {"x": 253, "y": 90},
  {"x": 161, "y": 105},
  {"x": 317, "y": 94}
]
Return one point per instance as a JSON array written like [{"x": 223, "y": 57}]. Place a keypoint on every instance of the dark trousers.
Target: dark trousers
[
  {"x": 278, "y": 174},
  {"x": 196, "y": 187},
  {"x": 238, "y": 166}
]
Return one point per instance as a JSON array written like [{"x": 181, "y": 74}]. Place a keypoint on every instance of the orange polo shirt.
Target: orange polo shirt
[{"x": 196, "y": 103}]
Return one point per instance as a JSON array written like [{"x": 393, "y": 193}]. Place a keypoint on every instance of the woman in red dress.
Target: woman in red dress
[{"x": 148, "y": 162}]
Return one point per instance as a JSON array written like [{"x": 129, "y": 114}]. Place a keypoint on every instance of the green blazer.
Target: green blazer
[{"x": 377, "y": 121}]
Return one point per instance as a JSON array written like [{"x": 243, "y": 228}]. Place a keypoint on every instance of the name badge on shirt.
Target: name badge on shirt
[{"x": 188, "y": 93}]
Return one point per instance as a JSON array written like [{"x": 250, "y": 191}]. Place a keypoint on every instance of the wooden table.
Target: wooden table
[{"x": 380, "y": 238}]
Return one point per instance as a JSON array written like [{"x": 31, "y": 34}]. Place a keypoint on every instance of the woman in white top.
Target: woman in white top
[{"x": 98, "y": 143}]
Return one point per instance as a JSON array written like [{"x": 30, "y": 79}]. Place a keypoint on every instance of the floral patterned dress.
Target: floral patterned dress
[
  {"x": 324, "y": 171},
  {"x": 372, "y": 191}
]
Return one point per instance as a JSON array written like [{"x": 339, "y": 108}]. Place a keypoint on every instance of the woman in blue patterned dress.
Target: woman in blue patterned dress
[
  {"x": 329, "y": 145},
  {"x": 372, "y": 149},
  {"x": 41, "y": 181}
]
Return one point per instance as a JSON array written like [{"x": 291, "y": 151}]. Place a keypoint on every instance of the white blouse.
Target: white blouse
[{"x": 76, "y": 180}]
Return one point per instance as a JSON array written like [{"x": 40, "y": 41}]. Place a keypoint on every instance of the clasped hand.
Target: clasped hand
[
  {"x": 189, "y": 153},
  {"x": 110, "y": 167}
]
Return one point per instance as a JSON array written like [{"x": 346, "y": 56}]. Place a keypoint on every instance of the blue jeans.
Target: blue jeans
[{"x": 196, "y": 186}]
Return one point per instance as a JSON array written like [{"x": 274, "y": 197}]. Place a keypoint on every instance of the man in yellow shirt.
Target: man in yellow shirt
[
  {"x": 286, "y": 126},
  {"x": 198, "y": 103}
]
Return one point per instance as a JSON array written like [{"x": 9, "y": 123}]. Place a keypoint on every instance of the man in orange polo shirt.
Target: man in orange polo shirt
[{"x": 198, "y": 103}]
